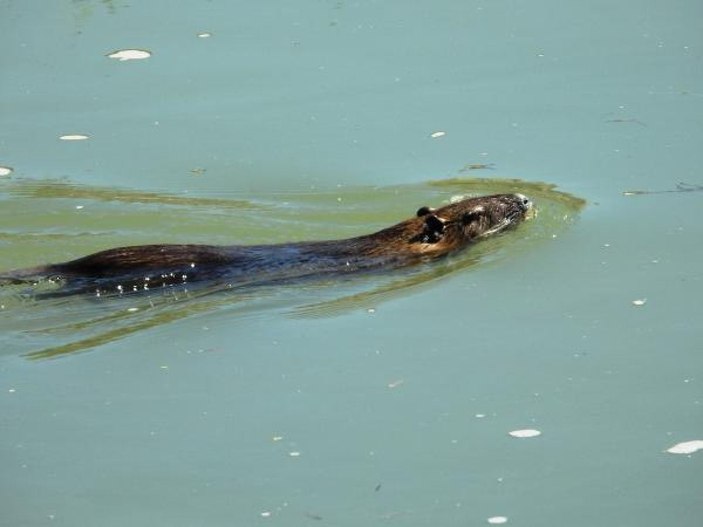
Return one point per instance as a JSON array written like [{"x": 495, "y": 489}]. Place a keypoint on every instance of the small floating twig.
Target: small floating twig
[
  {"x": 680, "y": 187},
  {"x": 477, "y": 166},
  {"x": 630, "y": 120}
]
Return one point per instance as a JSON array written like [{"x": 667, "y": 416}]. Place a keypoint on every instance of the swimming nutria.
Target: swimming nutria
[{"x": 429, "y": 235}]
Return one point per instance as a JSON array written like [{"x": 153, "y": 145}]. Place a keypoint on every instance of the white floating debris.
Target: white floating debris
[
  {"x": 266, "y": 514},
  {"x": 639, "y": 302},
  {"x": 687, "y": 447},
  {"x": 130, "y": 54},
  {"x": 5, "y": 171},
  {"x": 395, "y": 384},
  {"x": 439, "y": 133},
  {"x": 525, "y": 433},
  {"x": 294, "y": 454},
  {"x": 80, "y": 207},
  {"x": 204, "y": 34},
  {"x": 497, "y": 520},
  {"x": 74, "y": 137}
]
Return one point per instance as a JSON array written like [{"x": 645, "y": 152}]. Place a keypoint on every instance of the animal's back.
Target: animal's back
[{"x": 430, "y": 234}]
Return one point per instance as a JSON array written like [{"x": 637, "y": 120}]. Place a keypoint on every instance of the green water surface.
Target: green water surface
[{"x": 388, "y": 400}]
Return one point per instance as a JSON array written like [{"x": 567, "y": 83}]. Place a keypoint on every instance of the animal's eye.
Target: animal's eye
[{"x": 470, "y": 216}]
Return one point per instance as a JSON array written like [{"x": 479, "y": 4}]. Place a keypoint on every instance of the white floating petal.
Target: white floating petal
[
  {"x": 525, "y": 433},
  {"x": 687, "y": 447},
  {"x": 130, "y": 54}
]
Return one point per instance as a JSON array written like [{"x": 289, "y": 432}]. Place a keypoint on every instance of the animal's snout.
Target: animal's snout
[{"x": 524, "y": 201}]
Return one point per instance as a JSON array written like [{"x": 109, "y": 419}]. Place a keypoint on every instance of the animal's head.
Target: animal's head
[{"x": 468, "y": 220}]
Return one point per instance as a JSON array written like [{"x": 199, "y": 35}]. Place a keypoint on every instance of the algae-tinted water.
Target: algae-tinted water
[
  {"x": 384, "y": 401},
  {"x": 30, "y": 326}
]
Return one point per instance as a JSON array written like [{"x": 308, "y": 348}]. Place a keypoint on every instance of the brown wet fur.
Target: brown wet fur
[{"x": 428, "y": 235}]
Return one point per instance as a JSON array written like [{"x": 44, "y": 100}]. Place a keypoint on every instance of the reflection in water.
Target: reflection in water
[{"x": 54, "y": 327}]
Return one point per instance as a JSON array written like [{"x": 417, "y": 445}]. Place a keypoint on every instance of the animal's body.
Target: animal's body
[{"x": 430, "y": 234}]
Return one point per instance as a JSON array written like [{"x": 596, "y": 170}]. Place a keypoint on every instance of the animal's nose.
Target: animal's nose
[{"x": 525, "y": 202}]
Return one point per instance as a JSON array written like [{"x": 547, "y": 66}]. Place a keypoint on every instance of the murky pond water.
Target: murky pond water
[{"x": 549, "y": 376}]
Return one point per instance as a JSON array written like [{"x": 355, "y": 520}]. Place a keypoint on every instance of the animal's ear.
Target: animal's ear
[
  {"x": 434, "y": 224},
  {"x": 424, "y": 211},
  {"x": 433, "y": 229},
  {"x": 472, "y": 215}
]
